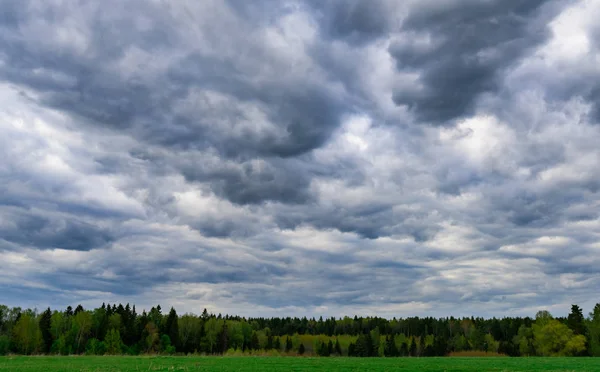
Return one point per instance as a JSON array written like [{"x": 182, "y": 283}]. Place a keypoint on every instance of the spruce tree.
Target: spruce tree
[
  {"x": 277, "y": 344},
  {"x": 172, "y": 328},
  {"x": 390, "y": 349},
  {"x": 254, "y": 342},
  {"x": 338, "y": 347},
  {"x": 412, "y": 350},
  {"x": 576, "y": 321},
  {"x": 351, "y": 350},
  {"x": 45, "y": 328}
]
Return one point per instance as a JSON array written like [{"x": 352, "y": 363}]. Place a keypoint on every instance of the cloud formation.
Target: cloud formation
[{"x": 302, "y": 157}]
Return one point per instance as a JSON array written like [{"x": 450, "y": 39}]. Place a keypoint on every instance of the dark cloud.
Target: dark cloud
[
  {"x": 46, "y": 233},
  {"x": 355, "y": 22},
  {"x": 257, "y": 157},
  {"x": 460, "y": 51}
]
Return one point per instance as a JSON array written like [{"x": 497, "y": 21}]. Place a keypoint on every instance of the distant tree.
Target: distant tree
[
  {"x": 45, "y": 325},
  {"x": 222, "y": 339},
  {"x": 95, "y": 347},
  {"x": 338, "y": 347},
  {"x": 277, "y": 344},
  {"x": 390, "y": 349},
  {"x": 27, "y": 335},
  {"x": 81, "y": 328},
  {"x": 553, "y": 338},
  {"x": 165, "y": 345},
  {"x": 351, "y": 350},
  {"x": 78, "y": 309},
  {"x": 150, "y": 338},
  {"x": 412, "y": 350},
  {"x": 421, "y": 351},
  {"x": 288, "y": 344},
  {"x": 403, "y": 350},
  {"x": 269, "y": 345},
  {"x": 172, "y": 328},
  {"x": 254, "y": 341},
  {"x": 113, "y": 342},
  {"x": 576, "y": 321},
  {"x": 523, "y": 341},
  {"x": 593, "y": 331}
]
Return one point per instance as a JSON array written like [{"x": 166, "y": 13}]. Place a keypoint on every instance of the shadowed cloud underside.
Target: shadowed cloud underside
[{"x": 301, "y": 157}]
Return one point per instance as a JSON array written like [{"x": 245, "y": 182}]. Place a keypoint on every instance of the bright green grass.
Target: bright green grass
[{"x": 130, "y": 364}]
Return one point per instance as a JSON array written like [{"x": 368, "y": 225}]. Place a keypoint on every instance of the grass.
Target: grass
[{"x": 131, "y": 364}]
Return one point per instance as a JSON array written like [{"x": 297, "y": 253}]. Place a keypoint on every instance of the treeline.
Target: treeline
[{"x": 118, "y": 329}]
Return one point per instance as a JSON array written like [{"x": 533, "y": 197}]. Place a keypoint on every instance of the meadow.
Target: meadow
[{"x": 131, "y": 364}]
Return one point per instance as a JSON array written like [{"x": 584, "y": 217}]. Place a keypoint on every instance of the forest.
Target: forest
[{"x": 117, "y": 330}]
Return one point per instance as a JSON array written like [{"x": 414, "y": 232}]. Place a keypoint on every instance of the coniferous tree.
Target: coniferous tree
[
  {"x": 269, "y": 345},
  {"x": 288, "y": 345},
  {"x": 301, "y": 349},
  {"x": 277, "y": 344},
  {"x": 172, "y": 328},
  {"x": 223, "y": 339},
  {"x": 338, "y": 347},
  {"x": 254, "y": 342},
  {"x": 593, "y": 332},
  {"x": 351, "y": 350},
  {"x": 45, "y": 328},
  {"x": 575, "y": 320},
  {"x": 390, "y": 349},
  {"x": 78, "y": 309},
  {"x": 412, "y": 350}
]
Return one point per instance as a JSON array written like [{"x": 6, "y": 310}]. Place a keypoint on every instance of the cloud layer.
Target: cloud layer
[{"x": 301, "y": 158}]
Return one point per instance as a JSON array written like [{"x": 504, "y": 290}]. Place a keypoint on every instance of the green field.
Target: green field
[{"x": 114, "y": 364}]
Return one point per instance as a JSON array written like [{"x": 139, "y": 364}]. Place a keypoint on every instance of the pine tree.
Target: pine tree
[
  {"x": 422, "y": 345},
  {"x": 338, "y": 347},
  {"x": 403, "y": 350},
  {"x": 288, "y": 345},
  {"x": 45, "y": 327},
  {"x": 254, "y": 342},
  {"x": 576, "y": 321},
  {"x": 412, "y": 350},
  {"x": 390, "y": 349},
  {"x": 172, "y": 328},
  {"x": 223, "y": 339},
  {"x": 351, "y": 350}
]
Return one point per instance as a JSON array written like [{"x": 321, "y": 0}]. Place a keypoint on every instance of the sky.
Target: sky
[{"x": 301, "y": 158}]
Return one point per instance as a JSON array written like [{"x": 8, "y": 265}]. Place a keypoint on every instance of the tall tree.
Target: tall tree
[
  {"x": 412, "y": 349},
  {"x": 390, "y": 349},
  {"x": 576, "y": 321},
  {"x": 594, "y": 331},
  {"x": 46, "y": 329},
  {"x": 172, "y": 328},
  {"x": 338, "y": 347}
]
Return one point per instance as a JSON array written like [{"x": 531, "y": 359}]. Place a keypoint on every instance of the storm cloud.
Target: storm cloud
[{"x": 302, "y": 157}]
